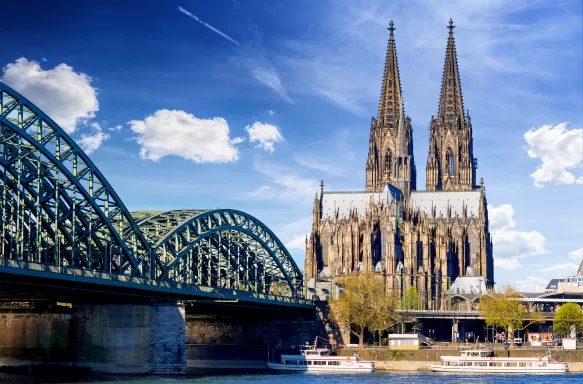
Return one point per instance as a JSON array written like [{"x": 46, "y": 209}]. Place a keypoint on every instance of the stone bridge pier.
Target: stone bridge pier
[
  {"x": 107, "y": 338},
  {"x": 127, "y": 338},
  {"x": 157, "y": 338}
]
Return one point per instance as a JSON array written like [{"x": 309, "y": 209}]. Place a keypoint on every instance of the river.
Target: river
[{"x": 303, "y": 378}]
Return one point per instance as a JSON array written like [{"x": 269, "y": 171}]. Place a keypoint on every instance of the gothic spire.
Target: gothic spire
[
  {"x": 391, "y": 104},
  {"x": 450, "y": 101}
]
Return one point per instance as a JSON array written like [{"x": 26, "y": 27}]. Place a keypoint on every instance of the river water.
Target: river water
[{"x": 304, "y": 378}]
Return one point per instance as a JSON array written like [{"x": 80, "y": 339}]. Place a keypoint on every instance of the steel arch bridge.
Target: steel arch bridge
[{"x": 61, "y": 219}]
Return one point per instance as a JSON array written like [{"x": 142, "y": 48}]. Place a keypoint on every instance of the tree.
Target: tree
[
  {"x": 503, "y": 309},
  {"x": 412, "y": 300},
  {"x": 364, "y": 304},
  {"x": 568, "y": 318}
]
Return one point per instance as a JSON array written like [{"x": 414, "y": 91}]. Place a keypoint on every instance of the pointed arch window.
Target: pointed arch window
[
  {"x": 389, "y": 162},
  {"x": 450, "y": 166},
  {"x": 390, "y": 83}
]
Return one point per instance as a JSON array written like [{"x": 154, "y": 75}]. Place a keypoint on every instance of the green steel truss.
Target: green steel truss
[{"x": 58, "y": 210}]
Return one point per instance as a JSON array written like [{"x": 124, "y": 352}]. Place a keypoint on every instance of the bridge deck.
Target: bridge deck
[{"x": 37, "y": 274}]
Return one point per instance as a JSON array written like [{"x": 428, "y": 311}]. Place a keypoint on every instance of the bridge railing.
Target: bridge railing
[{"x": 50, "y": 271}]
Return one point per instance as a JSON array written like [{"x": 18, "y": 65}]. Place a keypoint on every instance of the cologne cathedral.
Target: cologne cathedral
[{"x": 413, "y": 238}]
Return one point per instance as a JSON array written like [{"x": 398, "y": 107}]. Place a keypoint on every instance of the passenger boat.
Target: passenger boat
[
  {"x": 313, "y": 359},
  {"x": 484, "y": 361}
]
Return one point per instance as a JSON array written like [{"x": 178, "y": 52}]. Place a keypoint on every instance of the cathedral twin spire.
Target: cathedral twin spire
[
  {"x": 390, "y": 157},
  {"x": 450, "y": 162}
]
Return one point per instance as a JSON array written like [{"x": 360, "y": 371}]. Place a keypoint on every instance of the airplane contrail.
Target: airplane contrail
[{"x": 208, "y": 26}]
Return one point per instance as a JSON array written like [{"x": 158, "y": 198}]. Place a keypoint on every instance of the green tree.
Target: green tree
[
  {"x": 568, "y": 318},
  {"x": 504, "y": 310},
  {"x": 411, "y": 300},
  {"x": 364, "y": 304}
]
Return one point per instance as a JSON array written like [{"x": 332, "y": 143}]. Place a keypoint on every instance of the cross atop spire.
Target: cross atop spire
[
  {"x": 321, "y": 187},
  {"x": 450, "y": 26},
  {"x": 391, "y": 28}
]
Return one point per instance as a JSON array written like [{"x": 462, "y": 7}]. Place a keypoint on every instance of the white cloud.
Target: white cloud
[
  {"x": 64, "y": 95},
  {"x": 265, "y": 135},
  {"x": 531, "y": 284},
  {"x": 45, "y": 60},
  {"x": 91, "y": 142},
  {"x": 508, "y": 242},
  {"x": 285, "y": 185},
  {"x": 511, "y": 245},
  {"x": 270, "y": 112},
  {"x": 179, "y": 133},
  {"x": 297, "y": 242},
  {"x": 560, "y": 151},
  {"x": 117, "y": 128},
  {"x": 577, "y": 254},
  {"x": 562, "y": 270},
  {"x": 501, "y": 217},
  {"x": 506, "y": 264}
]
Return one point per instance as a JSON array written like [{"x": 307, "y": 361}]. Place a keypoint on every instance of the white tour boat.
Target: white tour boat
[
  {"x": 484, "y": 361},
  {"x": 313, "y": 359}
]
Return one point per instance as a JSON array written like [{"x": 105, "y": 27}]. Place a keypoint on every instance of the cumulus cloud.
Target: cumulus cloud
[
  {"x": 511, "y": 245},
  {"x": 531, "y": 284},
  {"x": 179, "y": 133},
  {"x": 560, "y": 151},
  {"x": 91, "y": 142},
  {"x": 562, "y": 270},
  {"x": 297, "y": 242},
  {"x": 64, "y": 95},
  {"x": 506, "y": 264},
  {"x": 270, "y": 112},
  {"x": 577, "y": 254},
  {"x": 265, "y": 135}
]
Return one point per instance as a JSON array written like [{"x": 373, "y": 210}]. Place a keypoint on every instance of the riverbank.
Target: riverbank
[{"x": 417, "y": 360}]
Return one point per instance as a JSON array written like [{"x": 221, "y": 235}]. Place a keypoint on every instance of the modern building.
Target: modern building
[
  {"x": 425, "y": 239},
  {"x": 571, "y": 284}
]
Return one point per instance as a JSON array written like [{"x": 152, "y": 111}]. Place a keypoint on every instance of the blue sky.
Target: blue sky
[{"x": 177, "y": 115}]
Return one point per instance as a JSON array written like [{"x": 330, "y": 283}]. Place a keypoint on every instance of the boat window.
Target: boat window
[
  {"x": 333, "y": 363},
  {"x": 511, "y": 364},
  {"x": 481, "y": 364},
  {"x": 309, "y": 362},
  {"x": 466, "y": 363},
  {"x": 544, "y": 364},
  {"x": 316, "y": 362}
]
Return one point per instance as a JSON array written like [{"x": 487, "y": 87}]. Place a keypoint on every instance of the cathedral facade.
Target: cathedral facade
[{"x": 422, "y": 239}]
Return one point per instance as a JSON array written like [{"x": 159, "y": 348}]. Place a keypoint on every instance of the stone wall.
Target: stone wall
[
  {"x": 26, "y": 337},
  {"x": 136, "y": 339},
  {"x": 167, "y": 339},
  {"x": 260, "y": 328}
]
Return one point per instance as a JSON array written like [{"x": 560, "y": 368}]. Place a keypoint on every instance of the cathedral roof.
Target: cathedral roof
[
  {"x": 343, "y": 203},
  {"x": 439, "y": 201}
]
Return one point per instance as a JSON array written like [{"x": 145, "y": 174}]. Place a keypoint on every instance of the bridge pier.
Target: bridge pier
[{"x": 128, "y": 338}]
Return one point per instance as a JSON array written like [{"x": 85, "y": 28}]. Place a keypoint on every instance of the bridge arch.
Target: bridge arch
[
  {"x": 224, "y": 247},
  {"x": 57, "y": 207}
]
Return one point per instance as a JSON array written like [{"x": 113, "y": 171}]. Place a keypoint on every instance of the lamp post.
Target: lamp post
[{"x": 403, "y": 296}]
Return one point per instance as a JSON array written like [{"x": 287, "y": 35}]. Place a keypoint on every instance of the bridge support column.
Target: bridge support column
[
  {"x": 167, "y": 339},
  {"x": 454, "y": 331},
  {"x": 133, "y": 339}
]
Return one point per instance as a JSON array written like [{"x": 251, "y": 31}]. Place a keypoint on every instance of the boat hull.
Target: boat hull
[
  {"x": 323, "y": 368},
  {"x": 530, "y": 370}
]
